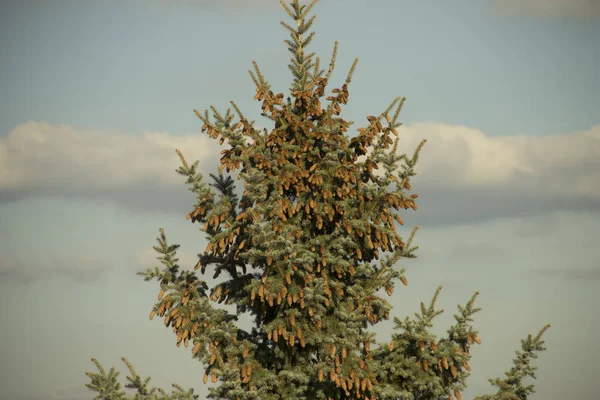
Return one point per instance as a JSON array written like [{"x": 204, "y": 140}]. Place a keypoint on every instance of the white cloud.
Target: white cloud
[
  {"x": 585, "y": 275},
  {"x": 536, "y": 226},
  {"x": 42, "y": 157},
  {"x": 77, "y": 268},
  {"x": 576, "y": 9},
  {"x": 565, "y": 164},
  {"x": 464, "y": 176},
  {"x": 463, "y": 155},
  {"x": 462, "y": 173}
]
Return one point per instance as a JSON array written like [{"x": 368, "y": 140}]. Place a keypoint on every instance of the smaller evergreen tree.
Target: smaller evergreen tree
[
  {"x": 109, "y": 388},
  {"x": 512, "y": 387}
]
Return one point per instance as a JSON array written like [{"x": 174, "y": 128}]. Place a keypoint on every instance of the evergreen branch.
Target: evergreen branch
[
  {"x": 332, "y": 62},
  {"x": 512, "y": 387},
  {"x": 261, "y": 79},
  {"x": 256, "y": 82},
  {"x": 288, "y": 27},
  {"x": 429, "y": 313},
  {"x": 411, "y": 237},
  {"x": 435, "y": 296},
  {"x": 308, "y": 8},
  {"x": 307, "y": 41},
  {"x": 287, "y": 9},
  {"x": 415, "y": 157},
  {"x": 306, "y": 25},
  {"x": 108, "y": 387},
  {"x": 351, "y": 72},
  {"x": 237, "y": 110},
  {"x": 398, "y": 109},
  {"x": 316, "y": 72}
]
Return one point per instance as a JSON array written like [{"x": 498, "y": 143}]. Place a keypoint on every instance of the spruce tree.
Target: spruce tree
[{"x": 309, "y": 251}]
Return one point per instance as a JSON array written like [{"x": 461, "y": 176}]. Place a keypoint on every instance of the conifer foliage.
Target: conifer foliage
[{"x": 309, "y": 252}]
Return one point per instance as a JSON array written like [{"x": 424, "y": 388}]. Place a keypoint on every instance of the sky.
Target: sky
[{"x": 96, "y": 96}]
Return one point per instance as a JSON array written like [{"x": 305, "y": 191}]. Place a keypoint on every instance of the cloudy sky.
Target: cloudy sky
[{"x": 97, "y": 95}]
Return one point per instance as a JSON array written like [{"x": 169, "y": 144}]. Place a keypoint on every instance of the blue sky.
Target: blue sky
[{"x": 97, "y": 95}]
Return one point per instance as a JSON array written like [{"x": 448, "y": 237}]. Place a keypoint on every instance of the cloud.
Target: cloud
[
  {"x": 45, "y": 157},
  {"x": 463, "y": 175},
  {"x": 567, "y": 9},
  {"x": 38, "y": 158},
  {"x": 79, "y": 269},
  {"x": 536, "y": 226},
  {"x": 572, "y": 274},
  {"x": 475, "y": 251}
]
